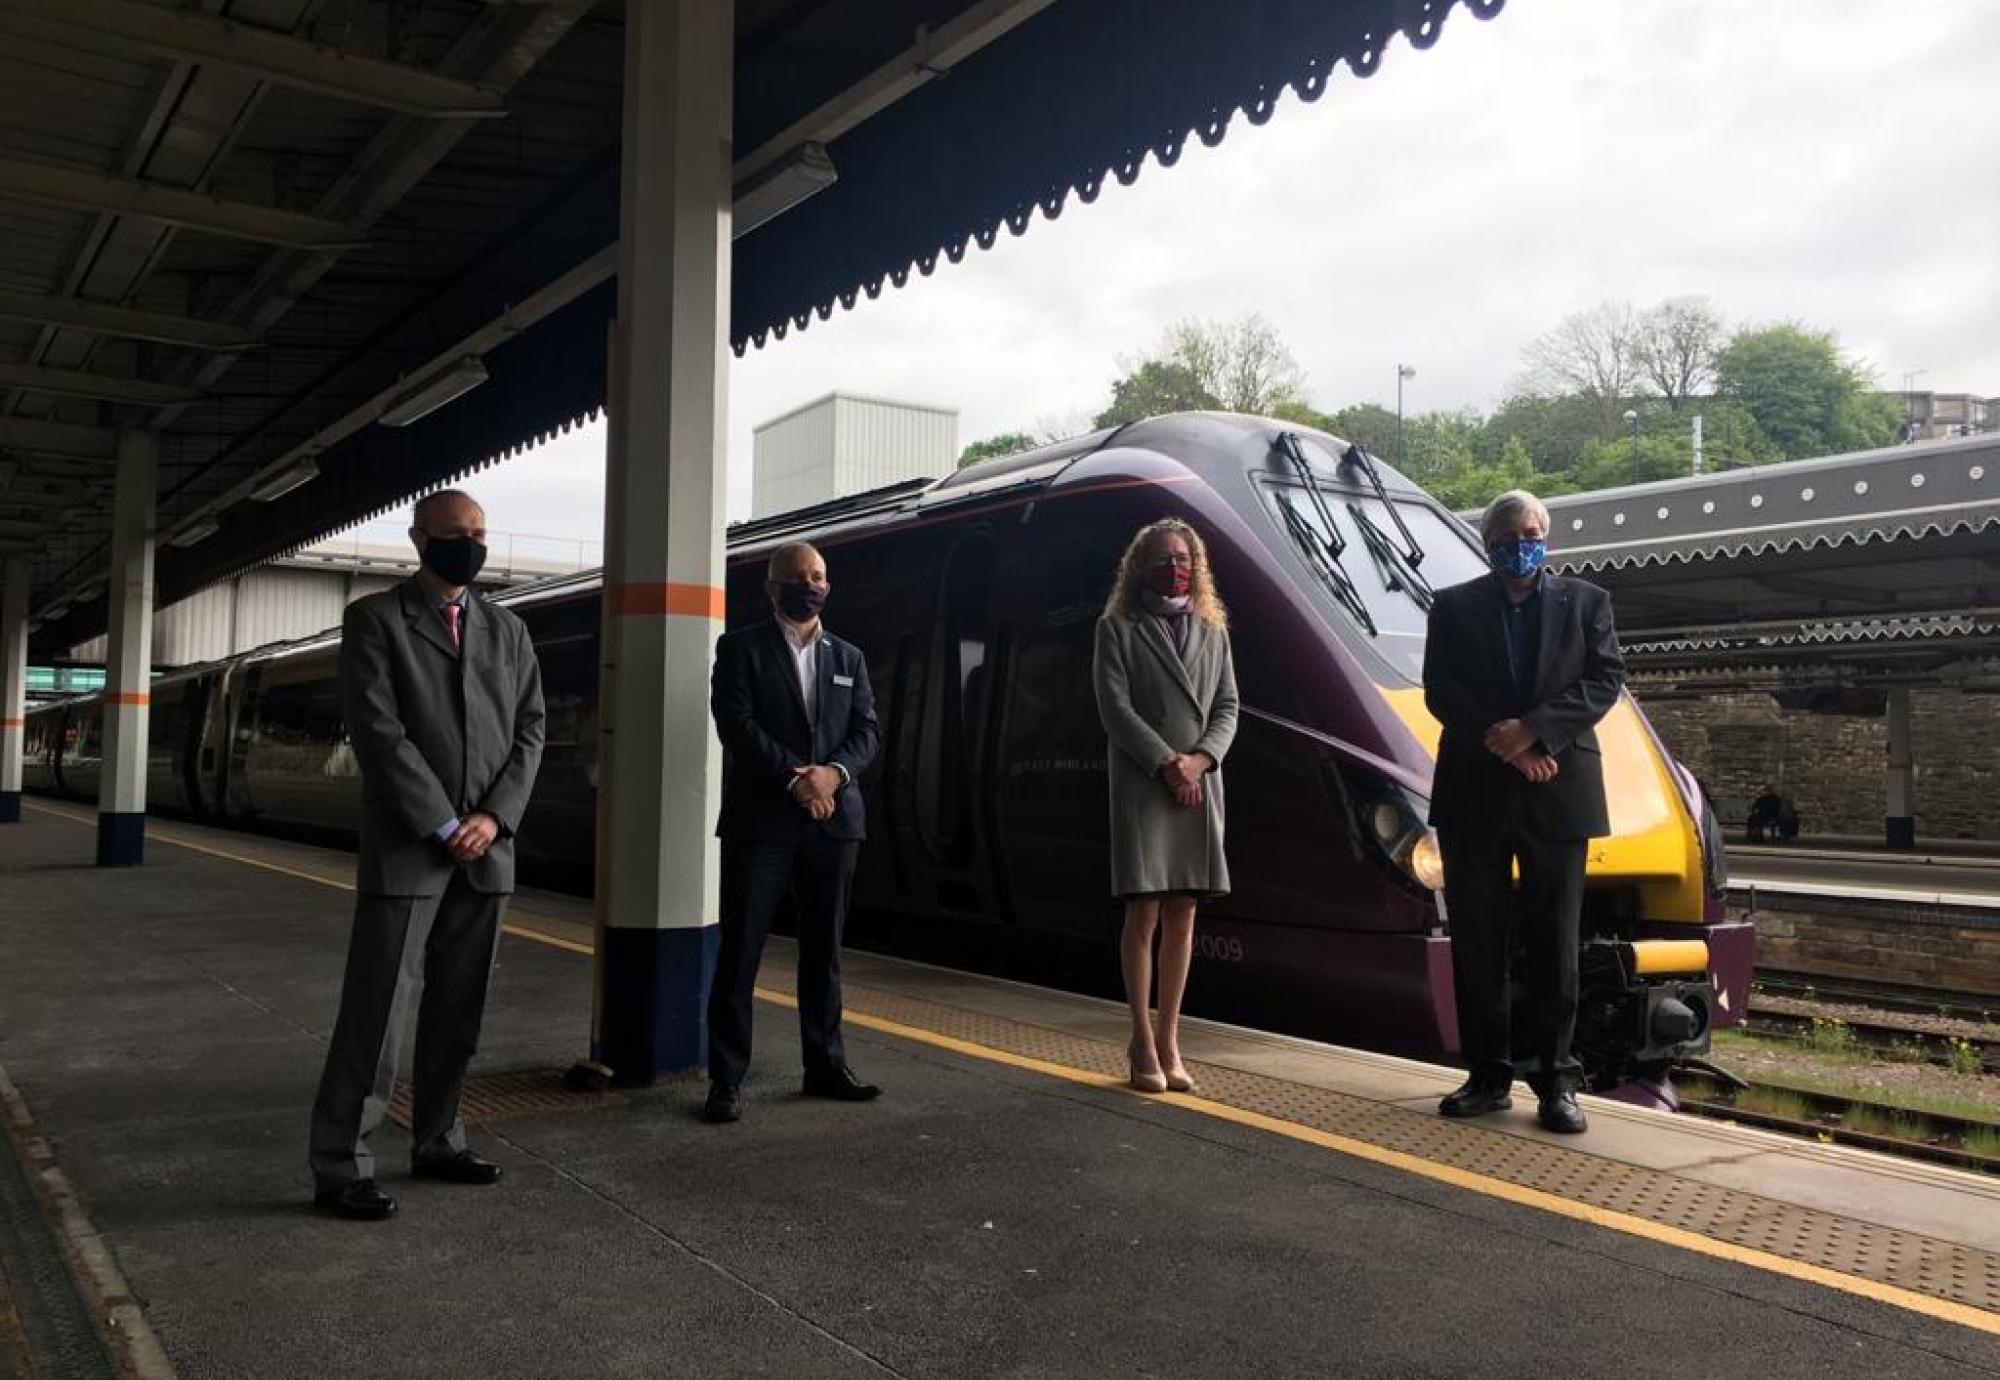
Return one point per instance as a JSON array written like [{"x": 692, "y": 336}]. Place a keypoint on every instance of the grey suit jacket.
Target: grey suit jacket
[
  {"x": 438, "y": 734},
  {"x": 1155, "y": 702}
]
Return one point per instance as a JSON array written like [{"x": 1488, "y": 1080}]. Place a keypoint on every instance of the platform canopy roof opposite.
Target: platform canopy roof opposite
[
  {"x": 249, "y": 224},
  {"x": 1880, "y": 566}
]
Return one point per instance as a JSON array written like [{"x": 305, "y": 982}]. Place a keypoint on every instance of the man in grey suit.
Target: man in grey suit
[{"x": 442, "y": 698}]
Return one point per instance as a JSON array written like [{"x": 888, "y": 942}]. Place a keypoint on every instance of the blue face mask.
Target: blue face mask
[{"x": 1518, "y": 557}]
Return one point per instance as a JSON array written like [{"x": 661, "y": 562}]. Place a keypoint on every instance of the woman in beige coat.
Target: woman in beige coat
[{"x": 1166, "y": 691}]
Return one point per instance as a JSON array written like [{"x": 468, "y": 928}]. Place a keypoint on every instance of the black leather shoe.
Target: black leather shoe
[
  {"x": 462, "y": 1168},
  {"x": 724, "y": 1104},
  {"x": 1477, "y": 1098},
  {"x": 1561, "y": 1114},
  {"x": 357, "y": 1199},
  {"x": 840, "y": 1084}
]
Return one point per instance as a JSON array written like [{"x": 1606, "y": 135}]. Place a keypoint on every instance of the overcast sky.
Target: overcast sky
[{"x": 1830, "y": 161}]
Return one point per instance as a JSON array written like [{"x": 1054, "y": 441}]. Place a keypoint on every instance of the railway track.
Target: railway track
[
  {"x": 1883, "y": 996},
  {"x": 1897, "y": 1041},
  {"x": 1934, "y": 1137}
]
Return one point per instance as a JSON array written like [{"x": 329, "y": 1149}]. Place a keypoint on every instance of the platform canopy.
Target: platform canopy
[
  {"x": 257, "y": 226},
  {"x": 1874, "y": 568}
]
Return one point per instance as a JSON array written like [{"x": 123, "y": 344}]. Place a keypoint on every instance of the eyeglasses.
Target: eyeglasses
[{"x": 1174, "y": 559}]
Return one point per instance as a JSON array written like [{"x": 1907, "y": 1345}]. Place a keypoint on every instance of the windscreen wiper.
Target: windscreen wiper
[
  {"x": 1398, "y": 572},
  {"x": 1324, "y": 558},
  {"x": 1288, "y": 443},
  {"x": 1355, "y": 455}
]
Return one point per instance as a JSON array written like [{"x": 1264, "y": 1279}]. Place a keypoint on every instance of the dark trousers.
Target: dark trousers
[
  {"x": 441, "y": 947},
  {"x": 1489, "y": 920},
  {"x": 758, "y": 878}
]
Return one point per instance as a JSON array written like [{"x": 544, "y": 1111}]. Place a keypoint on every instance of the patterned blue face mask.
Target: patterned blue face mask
[{"x": 1518, "y": 557}]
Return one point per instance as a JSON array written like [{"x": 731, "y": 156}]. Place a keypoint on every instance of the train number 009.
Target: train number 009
[{"x": 1223, "y": 948}]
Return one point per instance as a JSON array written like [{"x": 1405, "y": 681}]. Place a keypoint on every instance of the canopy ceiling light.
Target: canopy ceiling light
[
  {"x": 432, "y": 391},
  {"x": 285, "y": 480},
  {"x": 802, "y": 173},
  {"x": 199, "y": 532}
]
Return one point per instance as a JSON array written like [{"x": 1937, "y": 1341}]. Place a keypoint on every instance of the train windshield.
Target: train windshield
[{"x": 1362, "y": 560}]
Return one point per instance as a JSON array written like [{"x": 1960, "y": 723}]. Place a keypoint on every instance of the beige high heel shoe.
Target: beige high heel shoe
[
  {"x": 1178, "y": 1079},
  {"x": 1155, "y": 1082}
]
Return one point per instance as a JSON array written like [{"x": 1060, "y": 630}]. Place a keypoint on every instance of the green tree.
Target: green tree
[
  {"x": 1006, "y": 443},
  {"x": 1554, "y": 430},
  {"x": 1367, "y": 425},
  {"x": 1239, "y": 366},
  {"x": 1152, "y": 387},
  {"x": 1803, "y": 391}
]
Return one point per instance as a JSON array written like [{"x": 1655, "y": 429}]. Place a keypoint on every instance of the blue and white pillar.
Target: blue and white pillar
[
  {"x": 659, "y": 764},
  {"x": 128, "y": 659}
]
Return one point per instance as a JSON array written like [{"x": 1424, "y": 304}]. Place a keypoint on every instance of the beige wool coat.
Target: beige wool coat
[{"x": 1155, "y": 702}]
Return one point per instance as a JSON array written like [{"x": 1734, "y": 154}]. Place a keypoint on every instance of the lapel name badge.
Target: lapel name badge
[{"x": 839, "y": 679}]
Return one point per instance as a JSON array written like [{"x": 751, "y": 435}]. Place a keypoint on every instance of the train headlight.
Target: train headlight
[
  {"x": 1426, "y": 861},
  {"x": 1393, "y": 820}
]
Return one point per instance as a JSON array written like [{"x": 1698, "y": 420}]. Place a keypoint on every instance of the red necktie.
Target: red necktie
[{"x": 451, "y": 621}]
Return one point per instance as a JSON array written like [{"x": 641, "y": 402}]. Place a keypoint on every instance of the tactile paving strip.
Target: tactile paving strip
[
  {"x": 497, "y": 1096},
  {"x": 1921, "y": 1264}
]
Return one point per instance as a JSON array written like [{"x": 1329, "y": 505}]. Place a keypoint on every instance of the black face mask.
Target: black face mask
[
  {"x": 801, "y": 601},
  {"x": 455, "y": 560}
]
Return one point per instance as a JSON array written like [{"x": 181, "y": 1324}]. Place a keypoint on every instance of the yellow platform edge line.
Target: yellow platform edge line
[{"x": 1945, "y": 1310}]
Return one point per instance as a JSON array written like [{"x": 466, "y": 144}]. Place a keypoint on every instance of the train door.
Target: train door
[
  {"x": 208, "y": 739},
  {"x": 959, "y": 704},
  {"x": 239, "y": 720}
]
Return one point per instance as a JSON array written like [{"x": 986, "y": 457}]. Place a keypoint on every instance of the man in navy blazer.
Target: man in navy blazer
[
  {"x": 796, "y": 717},
  {"x": 1519, "y": 666}
]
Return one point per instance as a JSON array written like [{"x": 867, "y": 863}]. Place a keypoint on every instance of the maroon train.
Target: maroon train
[{"x": 974, "y": 598}]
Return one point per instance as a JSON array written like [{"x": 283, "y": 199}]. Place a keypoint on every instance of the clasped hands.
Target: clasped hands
[
  {"x": 1181, "y": 774},
  {"x": 1514, "y": 743},
  {"x": 474, "y": 835},
  {"x": 813, "y": 788}
]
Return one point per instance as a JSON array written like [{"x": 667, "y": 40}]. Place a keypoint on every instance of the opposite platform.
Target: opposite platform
[{"x": 1004, "y": 1210}]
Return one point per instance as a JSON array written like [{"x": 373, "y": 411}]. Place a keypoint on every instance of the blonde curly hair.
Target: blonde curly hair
[{"x": 1139, "y": 553}]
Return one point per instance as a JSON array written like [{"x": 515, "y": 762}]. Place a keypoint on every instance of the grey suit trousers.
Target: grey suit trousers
[{"x": 441, "y": 947}]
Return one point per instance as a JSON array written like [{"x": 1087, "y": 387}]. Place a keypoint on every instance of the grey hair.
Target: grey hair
[
  {"x": 1509, "y": 506},
  {"x": 435, "y": 497},
  {"x": 783, "y": 555}
]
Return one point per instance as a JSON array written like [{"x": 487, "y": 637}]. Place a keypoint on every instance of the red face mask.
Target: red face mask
[{"x": 1168, "y": 580}]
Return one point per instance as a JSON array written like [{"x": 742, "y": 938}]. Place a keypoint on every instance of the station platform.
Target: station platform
[
  {"x": 1006, "y": 1209},
  {"x": 1964, "y": 874}
]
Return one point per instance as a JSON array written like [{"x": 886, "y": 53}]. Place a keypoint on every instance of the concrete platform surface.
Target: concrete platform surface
[{"x": 1005, "y": 1210}]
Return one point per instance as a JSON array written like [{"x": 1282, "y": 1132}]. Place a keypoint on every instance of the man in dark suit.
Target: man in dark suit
[
  {"x": 1519, "y": 666},
  {"x": 442, "y": 699},
  {"x": 796, "y": 716}
]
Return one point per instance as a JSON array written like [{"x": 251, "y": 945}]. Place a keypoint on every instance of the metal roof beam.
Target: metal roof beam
[
  {"x": 267, "y": 55},
  {"x": 935, "y": 53},
  {"x": 131, "y": 196},
  {"x": 1825, "y": 589},
  {"x": 73, "y": 313},
  {"x": 68, "y": 383},
  {"x": 58, "y": 438}
]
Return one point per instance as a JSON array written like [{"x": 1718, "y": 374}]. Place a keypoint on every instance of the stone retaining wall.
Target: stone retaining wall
[{"x": 1832, "y": 765}]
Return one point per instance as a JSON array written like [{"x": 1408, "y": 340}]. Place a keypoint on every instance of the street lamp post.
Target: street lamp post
[
  {"x": 1403, "y": 371},
  {"x": 1632, "y": 416}
]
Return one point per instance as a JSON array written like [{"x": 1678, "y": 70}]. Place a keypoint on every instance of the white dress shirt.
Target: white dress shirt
[{"x": 805, "y": 656}]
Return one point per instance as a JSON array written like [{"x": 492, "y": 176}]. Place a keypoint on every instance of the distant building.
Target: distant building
[
  {"x": 298, "y": 596},
  {"x": 845, "y": 443},
  {"x": 1934, "y": 416}
]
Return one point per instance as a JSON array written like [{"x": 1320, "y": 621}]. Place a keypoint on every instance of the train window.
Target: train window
[
  {"x": 954, "y": 712},
  {"x": 1396, "y": 614}
]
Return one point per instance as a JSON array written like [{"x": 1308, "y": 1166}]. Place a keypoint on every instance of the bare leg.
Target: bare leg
[
  {"x": 1176, "y": 953},
  {"x": 1135, "y": 958}
]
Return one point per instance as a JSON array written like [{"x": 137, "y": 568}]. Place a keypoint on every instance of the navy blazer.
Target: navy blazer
[
  {"x": 1579, "y": 674},
  {"x": 760, "y": 716}
]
